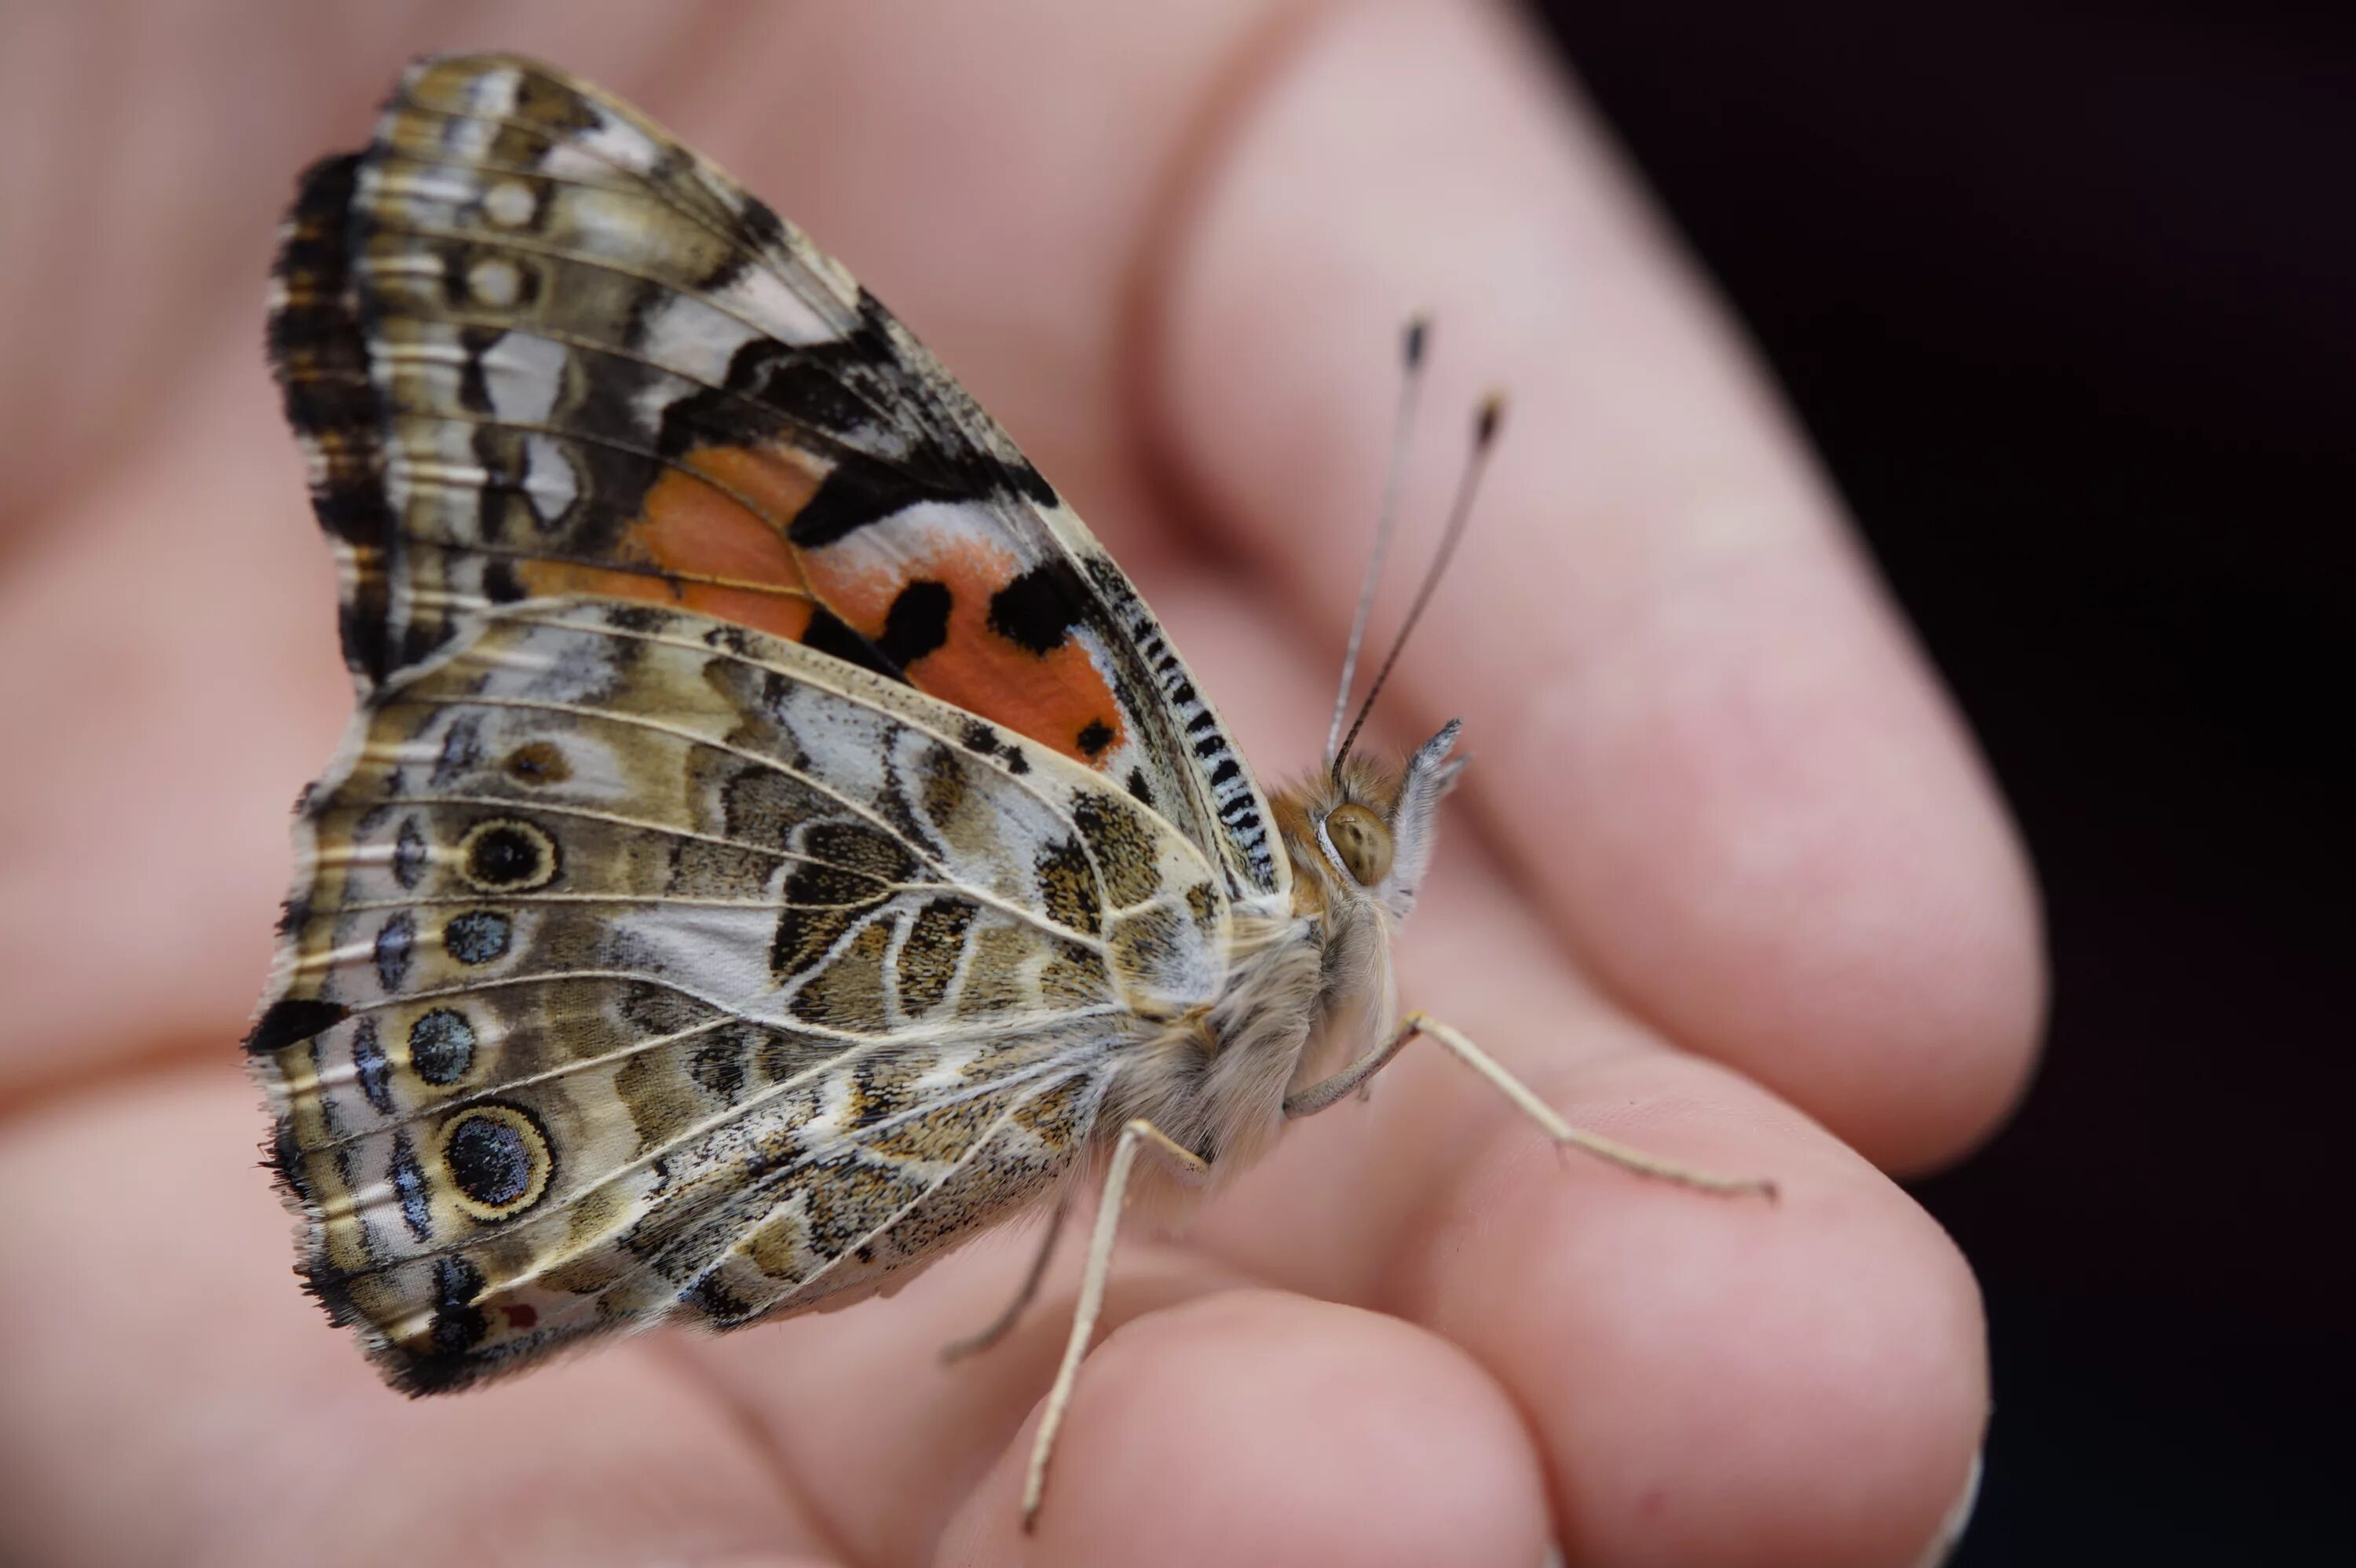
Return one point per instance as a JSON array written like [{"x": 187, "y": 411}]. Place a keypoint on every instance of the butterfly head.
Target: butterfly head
[{"x": 1360, "y": 835}]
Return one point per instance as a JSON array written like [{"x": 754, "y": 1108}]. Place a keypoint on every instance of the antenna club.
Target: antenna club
[
  {"x": 1491, "y": 415},
  {"x": 1410, "y": 377}
]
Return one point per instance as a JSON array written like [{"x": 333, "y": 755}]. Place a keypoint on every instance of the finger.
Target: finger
[
  {"x": 1261, "y": 1428},
  {"x": 1712, "y": 1380},
  {"x": 172, "y": 1398},
  {"x": 1703, "y": 737}
]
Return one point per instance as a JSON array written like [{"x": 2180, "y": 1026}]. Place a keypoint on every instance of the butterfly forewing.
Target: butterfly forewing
[{"x": 589, "y": 362}]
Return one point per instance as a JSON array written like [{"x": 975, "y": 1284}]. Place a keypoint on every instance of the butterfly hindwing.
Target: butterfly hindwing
[
  {"x": 642, "y": 965},
  {"x": 535, "y": 347}
]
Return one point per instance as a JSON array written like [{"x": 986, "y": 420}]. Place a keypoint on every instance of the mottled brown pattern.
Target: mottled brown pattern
[
  {"x": 660, "y": 1100},
  {"x": 1068, "y": 887},
  {"x": 938, "y": 1136},
  {"x": 781, "y": 1247},
  {"x": 1122, "y": 846},
  {"x": 931, "y": 954},
  {"x": 994, "y": 978},
  {"x": 680, "y": 1025},
  {"x": 1202, "y": 904},
  {"x": 804, "y": 935},
  {"x": 1142, "y": 942},
  {"x": 847, "y": 993},
  {"x": 1076, "y": 974},
  {"x": 1056, "y": 1118},
  {"x": 885, "y": 1084},
  {"x": 848, "y": 1199},
  {"x": 944, "y": 785},
  {"x": 712, "y": 906}
]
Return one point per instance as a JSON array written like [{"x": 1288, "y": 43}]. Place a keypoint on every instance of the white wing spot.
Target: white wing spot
[
  {"x": 495, "y": 283},
  {"x": 492, "y": 95},
  {"x": 549, "y": 478},
  {"x": 510, "y": 204},
  {"x": 685, "y": 335},
  {"x": 759, "y": 295},
  {"x": 597, "y": 152},
  {"x": 523, "y": 375}
]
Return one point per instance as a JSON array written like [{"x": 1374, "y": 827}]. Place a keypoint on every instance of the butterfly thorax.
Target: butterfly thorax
[{"x": 1309, "y": 988}]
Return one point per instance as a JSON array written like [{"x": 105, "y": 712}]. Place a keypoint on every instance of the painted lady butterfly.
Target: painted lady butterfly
[{"x": 776, "y": 842}]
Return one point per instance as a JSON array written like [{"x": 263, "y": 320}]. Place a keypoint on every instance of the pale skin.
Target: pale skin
[{"x": 1724, "y": 882}]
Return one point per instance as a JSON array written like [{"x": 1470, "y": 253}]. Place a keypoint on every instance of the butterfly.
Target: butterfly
[{"x": 774, "y": 843}]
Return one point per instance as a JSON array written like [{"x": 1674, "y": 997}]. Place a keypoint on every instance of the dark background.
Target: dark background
[{"x": 2065, "y": 294}]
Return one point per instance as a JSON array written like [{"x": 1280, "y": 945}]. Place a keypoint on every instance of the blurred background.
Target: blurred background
[{"x": 2065, "y": 294}]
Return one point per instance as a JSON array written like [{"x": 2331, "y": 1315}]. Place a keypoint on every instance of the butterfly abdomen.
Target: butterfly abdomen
[{"x": 1214, "y": 1081}]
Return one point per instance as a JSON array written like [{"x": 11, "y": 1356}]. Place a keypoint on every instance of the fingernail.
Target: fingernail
[{"x": 1959, "y": 1519}]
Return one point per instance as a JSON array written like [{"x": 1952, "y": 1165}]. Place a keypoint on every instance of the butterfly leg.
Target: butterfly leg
[
  {"x": 1139, "y": 1135},
  {"x": 974, "y": 1344},
  {"x": 1322, "y": 1095}
]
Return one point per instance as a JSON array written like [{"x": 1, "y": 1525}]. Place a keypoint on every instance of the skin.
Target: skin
[{"x": 1725, "y": 882}]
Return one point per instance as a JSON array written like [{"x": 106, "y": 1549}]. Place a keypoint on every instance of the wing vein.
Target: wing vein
[{"x": 678, "y": 731}]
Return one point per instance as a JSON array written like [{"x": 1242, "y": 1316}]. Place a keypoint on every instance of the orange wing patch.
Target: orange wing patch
[
  {"x": 937, "y": 605},
  {"x": 711, "y": 537},
  {"x": 950, "y": 609}
]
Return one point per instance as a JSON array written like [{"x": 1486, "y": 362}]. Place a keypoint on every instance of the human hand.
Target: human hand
[{"x": 1721, "y": 834}]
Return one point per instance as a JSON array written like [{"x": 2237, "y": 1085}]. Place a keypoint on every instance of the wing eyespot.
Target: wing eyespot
[
  {"x": 497, "y": 1160},
  {"x": 537, "y": 762},
  {"x": 507, "y": 854}
]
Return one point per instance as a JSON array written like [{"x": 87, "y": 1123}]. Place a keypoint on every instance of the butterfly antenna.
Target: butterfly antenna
[
  {"x": 1484, "y": 436},
  {"x": 1410, "y": 381}
]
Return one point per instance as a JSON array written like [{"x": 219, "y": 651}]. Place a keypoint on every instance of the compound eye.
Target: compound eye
[{"x": 1362, "y": 841}]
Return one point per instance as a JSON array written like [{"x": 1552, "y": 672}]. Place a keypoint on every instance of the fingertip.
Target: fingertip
[
  {"x": 1259, "y": 1428},
  {"x": 1717, "y": 1381}
]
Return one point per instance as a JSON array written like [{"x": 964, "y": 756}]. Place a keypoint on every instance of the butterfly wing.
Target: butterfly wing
[
  {"x": 536, "y": 347},
  {"x": 642, "y": 965}
]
